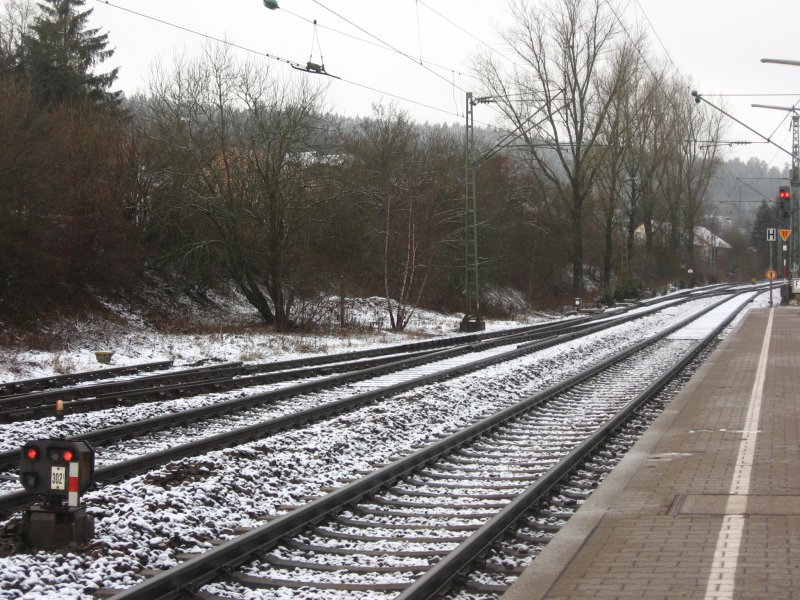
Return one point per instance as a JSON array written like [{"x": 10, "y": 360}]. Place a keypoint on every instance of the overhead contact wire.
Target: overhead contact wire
[{"x": 273, "y": 56}]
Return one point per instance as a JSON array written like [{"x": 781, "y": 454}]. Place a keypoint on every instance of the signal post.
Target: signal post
[{"x": 58, "y": 472}]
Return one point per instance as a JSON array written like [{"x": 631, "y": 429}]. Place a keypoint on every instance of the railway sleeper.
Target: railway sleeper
[
  {"x": 556, "y": 515},
  {"x": 524, "y": 550},
  {"x": 342, "y": 535},
  {"x": 265, "y": 582},
  {"x": 425, "y": 515},
  {"x": 404, "y": 526},
  {"x": 485, "y": 588},
  {"x": 414, "y": 492},
  {"x": 503, "y": 568},
  {"x": 348, "y": 551},
  {"x": 548, "y": 527},
  {"x": 575, "y": 494},
  {"x": 467, "y": 477},
  {"x": 567, "y": 503},
  {"x": 476, "y": 483},
  {"x": 594, "y": 469},
  {"x": 534, "y": 535},
  {"x": 441, "y": 466},
  {"x": 521, "y": 443},
  {"x": 529, "y": 465},
  {"x": 404, "y": 503},
  {"x": 312, "y": 566}
]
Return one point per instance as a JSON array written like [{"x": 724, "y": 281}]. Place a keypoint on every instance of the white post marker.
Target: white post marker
[{"x": 74, "y": 484}]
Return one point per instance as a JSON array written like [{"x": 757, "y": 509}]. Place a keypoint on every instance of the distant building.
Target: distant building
[{"x": 704, "y": 238}]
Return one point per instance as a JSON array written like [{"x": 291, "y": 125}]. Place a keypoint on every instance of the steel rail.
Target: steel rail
[
  {"x": 15, "y": 500},
  {"x": 11, "y": 387},
  {"x": 28, "y": 385},
  {"x": 32, "y": 405},
  {"x": 34, "y": 399},
  {"x": 570, "y": 331},
  {"x": 183, "y": 388},
  {"x": 127, "y": 430},
  {"x": 191, "y": 381},
  {"x": 197, "y": 571},
  {"x": 25, "y": 386}
]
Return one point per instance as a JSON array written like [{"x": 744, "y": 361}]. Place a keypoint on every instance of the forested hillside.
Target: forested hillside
[{"x": 227, "y": 173}]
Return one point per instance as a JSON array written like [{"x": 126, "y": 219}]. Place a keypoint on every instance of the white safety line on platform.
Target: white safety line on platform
[{"x": 722, "y": 578}]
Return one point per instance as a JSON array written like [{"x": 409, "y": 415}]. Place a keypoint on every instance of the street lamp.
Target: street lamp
[
  {"x": 781, "y": 61},
  {"x": 271, "y": 4}
]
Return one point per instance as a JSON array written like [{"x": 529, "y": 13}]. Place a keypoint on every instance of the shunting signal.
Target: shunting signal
[{"x": 45, "y": 464}]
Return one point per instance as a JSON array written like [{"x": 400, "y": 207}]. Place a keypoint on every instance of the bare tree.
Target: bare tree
[
  {"x": 648, "y": 137},
  {"x": 694, "y": 129},
  {"x": 614, "y": 183},
  {"x": 559, "y": 99},
  {"x": 237, "y": 144},
  {"x": 16, "y": 19},
  {"x": 405, "y": 175}
]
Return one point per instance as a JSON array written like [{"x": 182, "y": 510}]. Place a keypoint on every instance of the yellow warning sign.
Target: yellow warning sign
[
  {"x": 772, "y": 274},
  {"x": 785, "y": 233}
]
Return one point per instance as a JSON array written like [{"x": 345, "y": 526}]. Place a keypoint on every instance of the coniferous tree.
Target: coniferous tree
[{"x": 57, "y": 57}]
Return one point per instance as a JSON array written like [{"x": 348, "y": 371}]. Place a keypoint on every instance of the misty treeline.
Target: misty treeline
[{"x": 230, "y": 172}]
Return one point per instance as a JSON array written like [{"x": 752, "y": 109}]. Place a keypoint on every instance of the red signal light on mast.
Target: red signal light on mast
[{"x": 784, "y": 201}]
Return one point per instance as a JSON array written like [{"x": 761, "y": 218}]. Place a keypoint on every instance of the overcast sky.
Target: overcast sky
[{"x": 716, "y": 43}]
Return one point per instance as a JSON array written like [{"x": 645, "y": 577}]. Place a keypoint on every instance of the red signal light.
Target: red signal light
[
  {"x": 784, "y": 193},
  {"x": 32, "y": 453},
  {"x": 68, "y": 455}
]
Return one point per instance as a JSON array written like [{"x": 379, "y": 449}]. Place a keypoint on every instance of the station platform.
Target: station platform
[{"x": 707, "y": 503}]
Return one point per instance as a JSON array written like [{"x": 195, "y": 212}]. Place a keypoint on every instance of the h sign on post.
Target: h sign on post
[{"x": 772, "y": 234}]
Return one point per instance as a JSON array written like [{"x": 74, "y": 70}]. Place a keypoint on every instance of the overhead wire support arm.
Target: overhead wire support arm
[
  {"x": 515, "y": 134},
  {"x": 699, "y": 98}
]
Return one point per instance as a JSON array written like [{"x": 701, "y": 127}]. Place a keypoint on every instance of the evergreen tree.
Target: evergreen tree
[
  {"x": 57, "y": 57},
  {"x": 765, "y": 217}
]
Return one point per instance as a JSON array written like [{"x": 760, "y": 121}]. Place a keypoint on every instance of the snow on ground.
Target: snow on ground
[
  {"x": 145, "y": 521},
  {"x": 134, "y": 341}
]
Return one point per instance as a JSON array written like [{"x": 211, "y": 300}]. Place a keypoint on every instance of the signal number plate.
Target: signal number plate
[{"x": 58, "y": 478}]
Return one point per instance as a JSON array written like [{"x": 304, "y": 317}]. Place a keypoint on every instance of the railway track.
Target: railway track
[
  {"x": 32, "y": 399},
  {"x": 115, "y": 462},
  {"x": 25, "y": 386},
  {"x": 28, "y": 404},
  {"x": 444, "y": 506}
]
